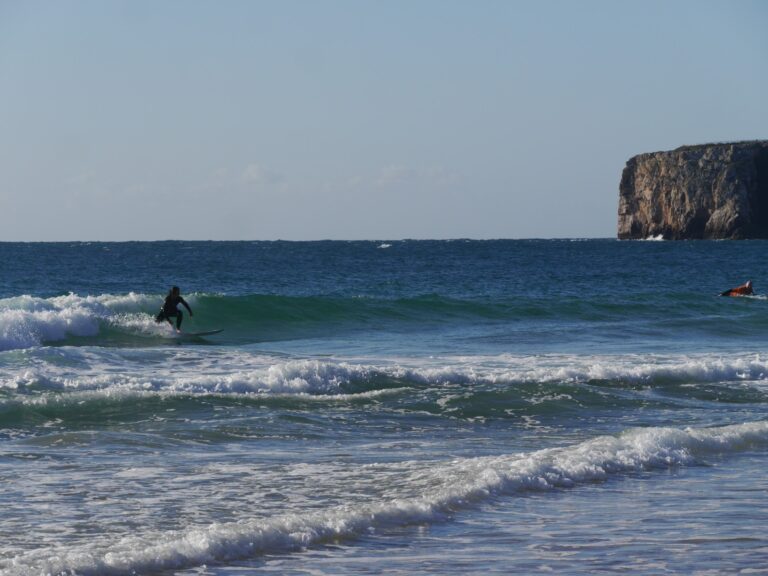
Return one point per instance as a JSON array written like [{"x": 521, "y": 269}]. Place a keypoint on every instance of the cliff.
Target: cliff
[{"x": 707, "y": 191}]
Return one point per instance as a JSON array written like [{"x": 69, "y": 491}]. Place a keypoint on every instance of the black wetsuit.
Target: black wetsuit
[{"x": 170, "y": 310}]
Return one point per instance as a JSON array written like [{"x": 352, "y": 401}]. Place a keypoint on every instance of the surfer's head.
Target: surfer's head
[{"x": 175, "y": 291}]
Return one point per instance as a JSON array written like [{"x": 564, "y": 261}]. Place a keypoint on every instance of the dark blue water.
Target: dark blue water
[
  {"x": 457, "y": 268},
  {"x": 459, "y": 405}
]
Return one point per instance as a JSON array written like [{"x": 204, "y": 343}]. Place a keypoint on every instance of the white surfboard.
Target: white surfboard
[{"x": 198, "y": 334}]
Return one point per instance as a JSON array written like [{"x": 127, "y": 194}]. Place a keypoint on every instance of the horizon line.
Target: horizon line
[{"x": 286, "y": 240}]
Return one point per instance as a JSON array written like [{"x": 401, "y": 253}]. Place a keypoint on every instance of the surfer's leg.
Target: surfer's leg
[{"x": 179, "y": 317}]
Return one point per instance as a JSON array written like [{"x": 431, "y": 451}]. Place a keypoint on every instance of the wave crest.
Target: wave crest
[{"x": 28, "y": 321}]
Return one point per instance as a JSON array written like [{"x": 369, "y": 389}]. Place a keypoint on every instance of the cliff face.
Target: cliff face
[{"x": 708, "y": 191}]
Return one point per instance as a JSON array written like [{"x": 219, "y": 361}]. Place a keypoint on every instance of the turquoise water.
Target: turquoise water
[{"x": 381, "y": 407}]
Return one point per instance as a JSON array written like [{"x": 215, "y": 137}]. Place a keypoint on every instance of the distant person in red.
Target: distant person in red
[
  {"x": 743, "y": 290},
  {"x": 170, "y": 308}
]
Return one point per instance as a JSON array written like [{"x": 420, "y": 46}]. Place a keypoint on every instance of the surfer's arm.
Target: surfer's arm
[{"x": 186, "y": 305}]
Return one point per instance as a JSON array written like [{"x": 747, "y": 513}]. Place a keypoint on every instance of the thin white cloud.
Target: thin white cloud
[
  {"x": 256, "y": 174},
  {"x": 396, "y": 175}
]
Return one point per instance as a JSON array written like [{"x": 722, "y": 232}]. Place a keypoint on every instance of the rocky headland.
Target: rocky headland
[{"x": 706, "y": 191}]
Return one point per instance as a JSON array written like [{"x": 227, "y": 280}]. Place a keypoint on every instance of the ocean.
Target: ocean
[{"x": 389, "y": 407}]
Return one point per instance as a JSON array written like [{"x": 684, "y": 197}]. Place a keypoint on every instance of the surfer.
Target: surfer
[
  {"x": 170, "y": 308},
  {"x": 743, "y": 290}
]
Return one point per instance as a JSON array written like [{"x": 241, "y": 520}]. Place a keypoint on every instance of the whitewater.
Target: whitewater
[{"x": 432, "y": 407}]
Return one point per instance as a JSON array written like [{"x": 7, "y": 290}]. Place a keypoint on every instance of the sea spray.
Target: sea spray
[{"x": 28, "y": 321}]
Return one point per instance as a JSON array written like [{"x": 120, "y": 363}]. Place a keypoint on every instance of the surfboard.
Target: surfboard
[{"x": 198, "y": 334}]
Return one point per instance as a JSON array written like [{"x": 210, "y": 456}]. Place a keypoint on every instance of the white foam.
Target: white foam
[
  {"x": 212, "y": 372},
  {"x": 295, "y": 377},
  {"x": 433, "y": 491},
  {"x": 27, "y": 321},
  {"x": 25, "y": 328},
  {"x": 632, "y": 368}
]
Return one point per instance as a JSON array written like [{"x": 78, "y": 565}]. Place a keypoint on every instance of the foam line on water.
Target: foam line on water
[
  {"x": 635, "y": 368},
  {"x": 259, "y": 374},
  {"x": 445, "y": 489},
  {"x": 305, "y": 377}
]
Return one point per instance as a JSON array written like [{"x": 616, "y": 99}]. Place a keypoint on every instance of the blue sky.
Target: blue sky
[{"x": 357, "y": 119}]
